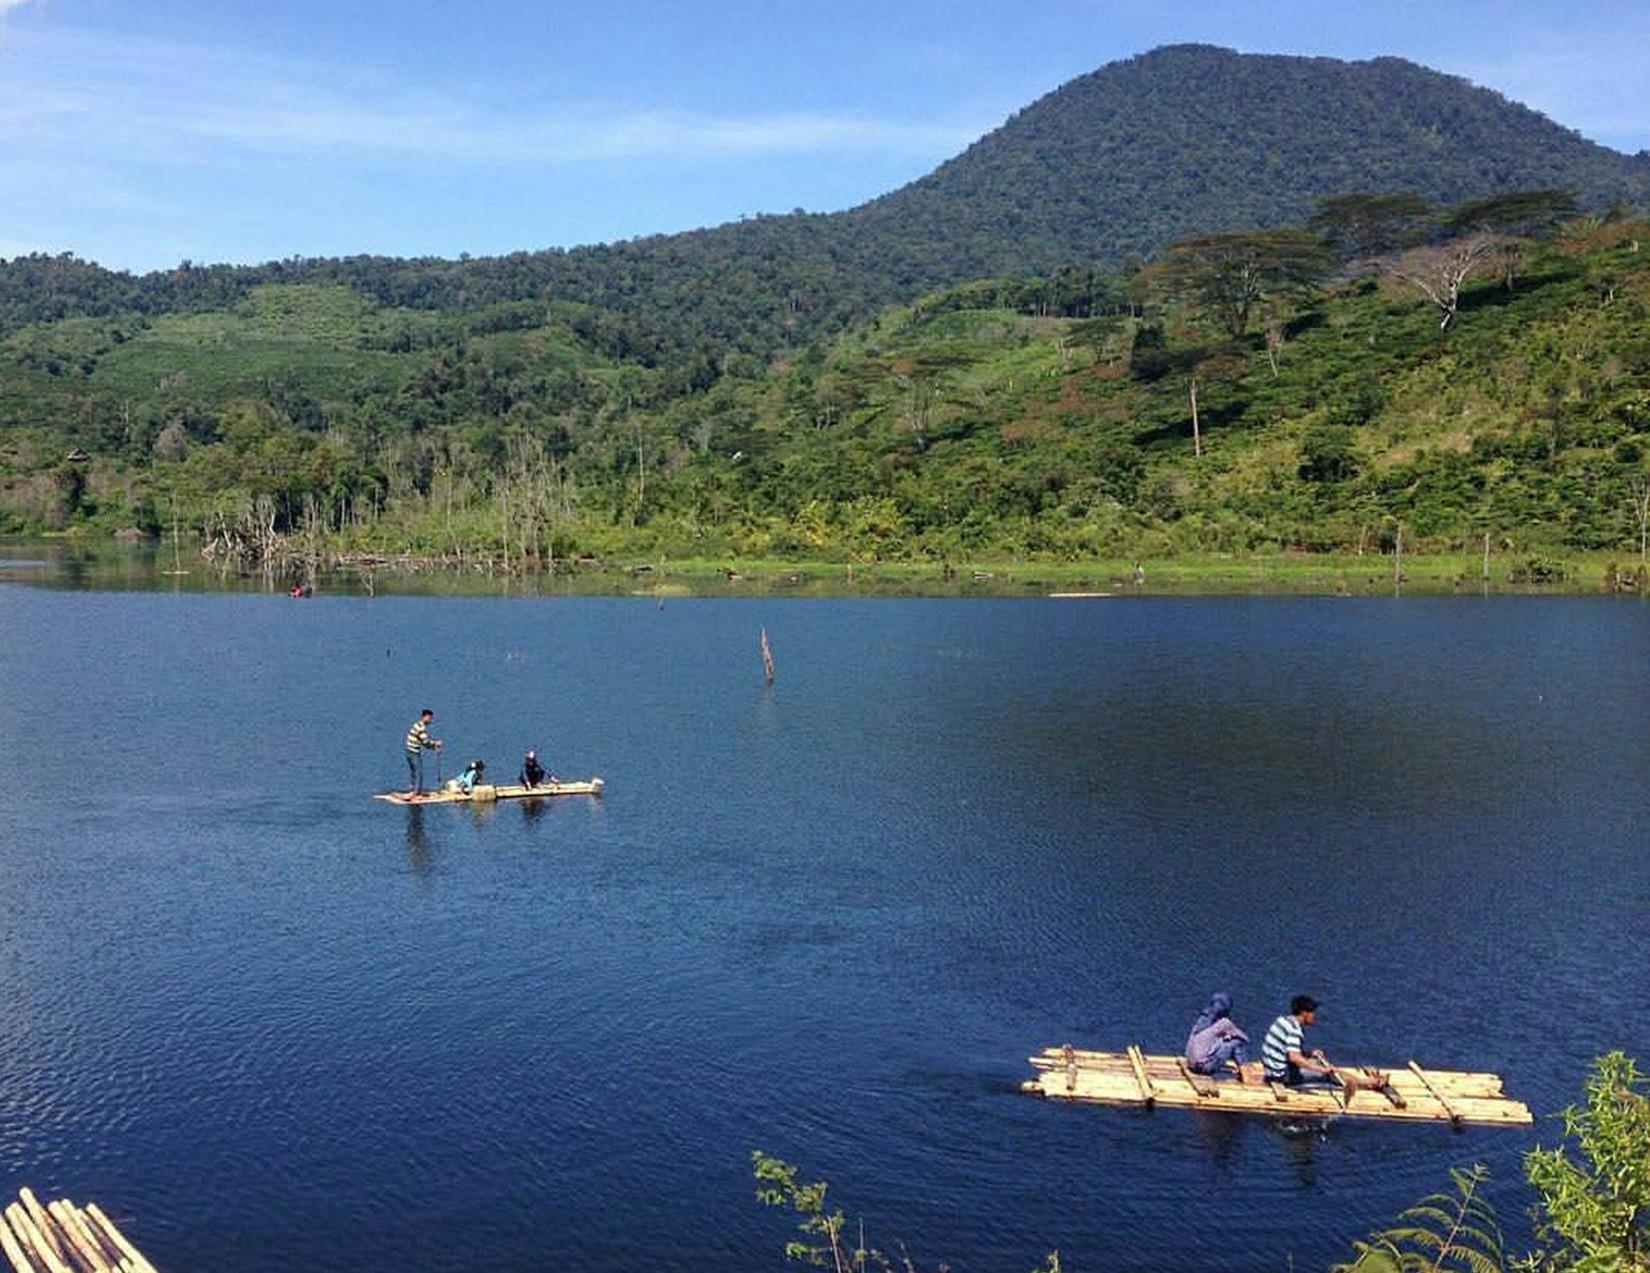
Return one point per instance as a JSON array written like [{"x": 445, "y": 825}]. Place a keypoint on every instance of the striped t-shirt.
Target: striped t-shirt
[
  {"x": 1283, "y": 1038},
  {"x": 418, "y": 737}
]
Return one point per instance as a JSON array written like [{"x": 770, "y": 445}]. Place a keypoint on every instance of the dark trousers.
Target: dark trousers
[
  {"x": 1228, "y": 1050},
  {"x": 415, "y": 769}
]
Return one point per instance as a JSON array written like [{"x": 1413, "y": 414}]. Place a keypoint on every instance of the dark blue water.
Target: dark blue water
[{"x": 260, "y": 1015}]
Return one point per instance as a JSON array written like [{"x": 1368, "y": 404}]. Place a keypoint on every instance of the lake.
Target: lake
[{"x": 271, "y": 1023}]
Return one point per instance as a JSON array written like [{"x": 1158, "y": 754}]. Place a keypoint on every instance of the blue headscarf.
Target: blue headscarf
[{"x": 1220, "y": 1005}]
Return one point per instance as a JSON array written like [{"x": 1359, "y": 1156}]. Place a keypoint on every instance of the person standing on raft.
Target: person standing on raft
[
  {"x": 1216, "y": 1041},
  {"x": 418, "y": 741}
]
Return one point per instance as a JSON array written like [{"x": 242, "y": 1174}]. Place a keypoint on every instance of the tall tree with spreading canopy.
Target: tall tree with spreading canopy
[
  {"x": 1225, "y": 276},
  {"x": 1360, "y": 225}
]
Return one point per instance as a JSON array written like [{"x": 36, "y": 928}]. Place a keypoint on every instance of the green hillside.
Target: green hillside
[{"x": 973, "y": 423}]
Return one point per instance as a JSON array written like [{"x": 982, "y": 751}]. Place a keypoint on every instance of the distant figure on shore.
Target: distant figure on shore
[
  {"x": 301, "y": 590},
  {"x": 1285, "y": 1062},
  {"x": 418, "y": 741},
  {"x": 1216, "y": 1041},
  {"x": 1139, "y": 574},
  {"x": 471, "y": 778},
  {"x": 532, "y": 773}
]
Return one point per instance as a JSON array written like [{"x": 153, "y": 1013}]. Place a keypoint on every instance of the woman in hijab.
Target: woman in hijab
[{"x": 1216, "y": 1041}]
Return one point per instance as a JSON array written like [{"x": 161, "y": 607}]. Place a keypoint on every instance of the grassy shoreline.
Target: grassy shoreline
[{"x": 72, "y": 561}]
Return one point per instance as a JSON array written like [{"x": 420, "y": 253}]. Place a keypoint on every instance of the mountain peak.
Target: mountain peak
[{"x": 1194, "y": 137}]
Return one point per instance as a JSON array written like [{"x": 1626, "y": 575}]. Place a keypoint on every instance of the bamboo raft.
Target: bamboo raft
[
  {"x": 63, "y": 1238},
  {"x": 1133, "y": 1078},
  {"x": 485, "y": 794}
]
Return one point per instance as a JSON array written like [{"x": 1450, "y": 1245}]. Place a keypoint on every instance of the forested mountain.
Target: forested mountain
[
  {"x": 1191, "y": 138},
  {"x": 1121, "y": 160}
]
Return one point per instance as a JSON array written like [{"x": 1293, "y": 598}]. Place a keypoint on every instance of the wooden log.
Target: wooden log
[
  {"x": 20, "y": 1263},
  {"x": 767, "y": 655},
  {"x": 34, "y": 1241},
  {"x": 1114, "y": 1078},
  {"x": 133, "y": 1256},
  {"x": 1202, "y": 1086},
  {"x": 42, "y": 1222},
  {"x": 1147, "y": 1092},
  {"x": 1438, "y": 1096},
  {"x": 85, "y": 1246}
]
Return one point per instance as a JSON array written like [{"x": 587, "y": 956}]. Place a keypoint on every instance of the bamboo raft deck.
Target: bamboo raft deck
[
  {"x": 1134, "y": 1078},
  {"x": 63, "y": 1238},
  {"x": 487, "y": 794}
]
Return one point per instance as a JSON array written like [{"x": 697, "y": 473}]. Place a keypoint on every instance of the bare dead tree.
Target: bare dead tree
[
  {"x": 1641, "y": 509},
  {"x": 1274, "y": 342},
  {"x": 1439, "y": 271}
]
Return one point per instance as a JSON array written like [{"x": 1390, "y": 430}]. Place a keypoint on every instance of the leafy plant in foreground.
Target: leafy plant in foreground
[
  {"x": 1594, "y": 1214},
  {"x": 1441, "y": 1233},
  {"x": 823, "y": 1244}
]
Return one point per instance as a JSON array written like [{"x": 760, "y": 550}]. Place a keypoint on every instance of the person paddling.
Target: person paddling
[
  {"x": 418, "y": 741},
  {"x": 1286, "y": 1062}
]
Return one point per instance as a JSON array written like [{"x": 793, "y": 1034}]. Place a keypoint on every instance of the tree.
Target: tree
[
  {"x": 1593, "y": 1215},
  {"x": 1327, "y": 454},
  {"x": 1226, "y": 275},
  {"x": 1512, "y": 217},
  {"x": 1361, "y": 225},
  {"x": 1440, "y": 270},
  {"x": 1521, "y": 212},
  {"x": 1442, "y": 1233}
]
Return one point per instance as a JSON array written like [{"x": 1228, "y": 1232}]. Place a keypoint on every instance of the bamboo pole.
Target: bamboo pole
[
  {"x": 1438, "y": 1096},
  {"x": 8, "y": 1243},
  {"x": 42, "y": 1221},
  {"x": 1202, "y": 1087},
  {"x": 34, "y": 1241},
  {"x": 132, "y": 1254},
  {"x": 1148, "y": 1093},
  {"x": 84, "y": 1244}
]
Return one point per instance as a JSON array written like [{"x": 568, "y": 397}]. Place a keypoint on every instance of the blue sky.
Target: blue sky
[{"x": 140, "y": 132}]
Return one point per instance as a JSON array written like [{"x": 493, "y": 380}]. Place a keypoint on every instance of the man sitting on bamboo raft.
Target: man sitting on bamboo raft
[
  {"x": 1284, "y": 1061},
  {"x": 1216, "y": 1045}
]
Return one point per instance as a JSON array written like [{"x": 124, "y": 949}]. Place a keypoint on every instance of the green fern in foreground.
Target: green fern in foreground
[{"x": 1443, "y": 1233}]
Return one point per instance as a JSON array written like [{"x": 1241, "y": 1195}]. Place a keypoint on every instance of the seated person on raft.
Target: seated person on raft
[
  {"x": 470, "y": 778},
  {"x": 1216, "y": 1045},
  {"x": 532, "y": 773},
  {"x": 1284, "y": 1061}
]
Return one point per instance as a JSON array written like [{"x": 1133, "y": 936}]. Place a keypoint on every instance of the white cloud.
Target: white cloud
[{"x": 162, "y": 101}]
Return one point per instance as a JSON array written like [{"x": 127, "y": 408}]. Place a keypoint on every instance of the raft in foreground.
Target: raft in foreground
[
  {"x": 1133, "y": 1078},
  {"x": 487, "y": 794},
  {"x": 61, "y": 1236}
]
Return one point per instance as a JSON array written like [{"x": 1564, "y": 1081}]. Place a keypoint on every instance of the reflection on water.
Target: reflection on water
[
  {"x": 418, "y": 841},
  {"x": 828, "y": 919}
]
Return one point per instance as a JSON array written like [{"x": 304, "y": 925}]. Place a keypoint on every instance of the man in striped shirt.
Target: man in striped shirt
[
  {"x": 1285, "y": 1061},
  {"x": 417, "y": 743}
]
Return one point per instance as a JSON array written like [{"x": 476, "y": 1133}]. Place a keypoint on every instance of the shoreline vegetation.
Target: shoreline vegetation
[{"x": 148, "y": 565}]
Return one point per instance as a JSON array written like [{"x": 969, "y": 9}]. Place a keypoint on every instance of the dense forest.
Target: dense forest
[{"x": 973, "y": 366}]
